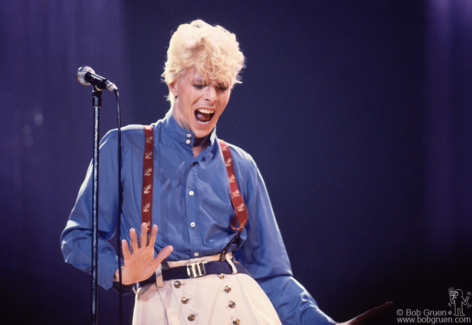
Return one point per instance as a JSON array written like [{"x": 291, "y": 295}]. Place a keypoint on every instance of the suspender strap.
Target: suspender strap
[
  {"x": 236, "y": 198},
  {"x": 148, "y": 167}
]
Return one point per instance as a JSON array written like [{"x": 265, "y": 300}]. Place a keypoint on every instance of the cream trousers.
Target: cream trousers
[{"x": 213, "y": 299}]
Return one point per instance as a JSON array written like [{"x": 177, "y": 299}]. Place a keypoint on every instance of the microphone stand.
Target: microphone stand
[
  {"x": 97, "y": 103},
  {"x": 87, "y": 76}
]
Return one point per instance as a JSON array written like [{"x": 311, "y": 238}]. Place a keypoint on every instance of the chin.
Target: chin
[{"x": 201, "y": 134}]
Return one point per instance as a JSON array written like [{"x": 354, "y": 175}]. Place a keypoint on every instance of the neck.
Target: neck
[{"x": 200, "y": 144}]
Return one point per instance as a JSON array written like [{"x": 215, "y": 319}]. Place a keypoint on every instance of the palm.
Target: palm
[{"x": 140, "y": 264}]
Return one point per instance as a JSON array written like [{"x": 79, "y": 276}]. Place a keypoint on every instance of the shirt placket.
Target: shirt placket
[{"x": 192, "y": 201}]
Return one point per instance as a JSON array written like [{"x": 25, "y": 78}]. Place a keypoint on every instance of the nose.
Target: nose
[{"x": 210, "y": 94}]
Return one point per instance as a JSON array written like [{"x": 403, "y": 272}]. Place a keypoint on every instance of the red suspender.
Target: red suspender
[
  {"x": 236, "y": 198},
  {"x": 148, "y": 166}
]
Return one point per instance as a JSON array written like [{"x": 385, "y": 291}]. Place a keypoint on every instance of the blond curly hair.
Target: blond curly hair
[{"x": 212, "y": 50}]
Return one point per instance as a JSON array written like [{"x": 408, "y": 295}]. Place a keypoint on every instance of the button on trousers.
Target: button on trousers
[{"x": 213, "y": 299}]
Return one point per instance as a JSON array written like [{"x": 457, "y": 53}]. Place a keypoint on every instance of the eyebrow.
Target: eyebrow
[{"x": 203, "y": 81}]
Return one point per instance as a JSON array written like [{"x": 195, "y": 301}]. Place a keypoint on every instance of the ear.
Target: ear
[{"x": 173, "y": 88}]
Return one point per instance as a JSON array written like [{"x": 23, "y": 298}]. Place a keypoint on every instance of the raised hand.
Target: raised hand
[{"x": 139, "y": 263}]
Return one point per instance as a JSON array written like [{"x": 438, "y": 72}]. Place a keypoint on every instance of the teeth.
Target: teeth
[{"x": 206, "y": 111}]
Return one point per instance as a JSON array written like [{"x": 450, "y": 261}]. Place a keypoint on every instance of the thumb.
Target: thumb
[{"x": 164, "y": 253}]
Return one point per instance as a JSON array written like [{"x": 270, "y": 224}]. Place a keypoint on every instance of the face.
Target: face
[{"x": 198, "y": 103}]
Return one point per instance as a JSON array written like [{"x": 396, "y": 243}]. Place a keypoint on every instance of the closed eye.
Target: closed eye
[{"x": 221, "y": 86}]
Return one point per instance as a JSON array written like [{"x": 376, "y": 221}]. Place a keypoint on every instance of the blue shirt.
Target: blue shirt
[{"x": 192, "y": 209}]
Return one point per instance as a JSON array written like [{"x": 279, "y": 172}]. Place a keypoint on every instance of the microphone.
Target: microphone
[{"x": 87, "y": 76}]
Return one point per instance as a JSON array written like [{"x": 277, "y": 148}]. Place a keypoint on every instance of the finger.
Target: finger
[
  {"x": 143, "y": 236},
  {"x": 372, "y": 316},
  {"x": 164, "y": 253},
  {"x": 133, "y": 240},
  {"x": 125, "y": 249},
  {"x": 152, "y": 237}
]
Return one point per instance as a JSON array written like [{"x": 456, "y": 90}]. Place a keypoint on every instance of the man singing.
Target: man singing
[{"x": 194, "y": 270}]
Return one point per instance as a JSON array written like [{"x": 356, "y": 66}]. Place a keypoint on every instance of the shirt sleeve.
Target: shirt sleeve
[
  {"x": 263, "y": 253},
  {"x": 76, "y": 239}
]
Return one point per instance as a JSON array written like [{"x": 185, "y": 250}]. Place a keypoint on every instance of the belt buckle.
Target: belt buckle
[{"x": 196, "y": 270}]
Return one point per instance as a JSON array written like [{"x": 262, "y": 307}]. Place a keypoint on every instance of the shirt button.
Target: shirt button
[
  {"x": 187, "y": 142},
  {"x": 177, "y": 284},
  {"x": 192, "y": 224},
  {"x": 191, "y": 193},
  {"x": 184, "y": 300},
  {"x": 195, "y": 254},
  {"x": 189, "y": 135},
  {"x": 227, "y": 289},
  {"x": 236, "y": 322},
  {"x": 191, "y": 317},
  {"x": 232, "y": 304}
]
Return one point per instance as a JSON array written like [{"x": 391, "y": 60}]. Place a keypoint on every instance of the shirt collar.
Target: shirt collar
[{"x": 180, "y": 135}]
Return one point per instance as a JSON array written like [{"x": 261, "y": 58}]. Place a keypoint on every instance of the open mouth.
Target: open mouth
[{"x": 204, "y": 115}]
